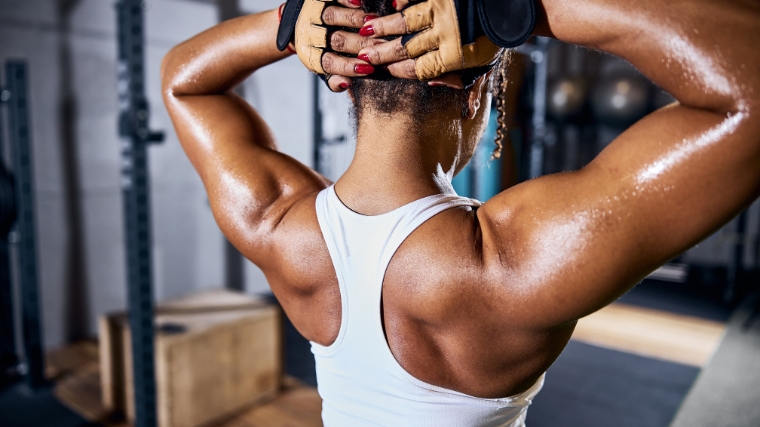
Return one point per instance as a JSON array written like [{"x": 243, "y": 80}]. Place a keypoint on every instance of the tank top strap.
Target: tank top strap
[
  {"x": 361, "y": 247},
  {"x": 358, "y": 378}
]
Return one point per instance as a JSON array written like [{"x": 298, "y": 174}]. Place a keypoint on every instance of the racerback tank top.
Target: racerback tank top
[{"x": 358, "y": 378}]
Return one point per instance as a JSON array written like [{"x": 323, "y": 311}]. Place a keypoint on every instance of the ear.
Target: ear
[{"x": 475, "y": 95}]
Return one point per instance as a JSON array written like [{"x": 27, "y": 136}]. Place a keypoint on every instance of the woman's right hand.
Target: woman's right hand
[{"x": 315, "y": 40}]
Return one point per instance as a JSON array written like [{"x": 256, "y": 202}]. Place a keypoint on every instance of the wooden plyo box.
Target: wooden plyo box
[{"x": 217, "y": 353}]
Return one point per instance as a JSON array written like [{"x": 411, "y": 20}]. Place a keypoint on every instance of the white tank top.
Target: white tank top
[{"x": 358, "y": 378}]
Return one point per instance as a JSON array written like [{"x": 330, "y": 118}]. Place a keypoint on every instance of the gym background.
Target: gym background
[{"x": 681, "y": 349}]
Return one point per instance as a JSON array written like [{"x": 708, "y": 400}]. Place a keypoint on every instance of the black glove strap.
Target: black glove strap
[
  {"x": 287, "y": 29},
  {"x": 325, "y": 78},
  {"x": 469, "y": 75}
]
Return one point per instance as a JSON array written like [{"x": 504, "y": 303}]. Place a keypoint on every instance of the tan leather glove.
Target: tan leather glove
[
  {"x": 311, "y": 34},
  {"x": 318, "y": 31},
  {"x": 437, "y": 40},
  {"x": 453, "y": 35},
  {"x": 301, "y": 24},
  {"x": 444, "y": 35}
]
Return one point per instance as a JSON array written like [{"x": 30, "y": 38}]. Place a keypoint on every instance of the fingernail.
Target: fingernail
[
  {"x": 364, "y": 69},
  {"x": 343, "y": 85},
  {"x": 393, "y": 4},
  {"x": 364, "y": 57},
  {"x": 435, "y": 84},
  {"x": 367, "y": 31},
  {"x": 355, "y": 2},
  {"x": 369, "y": 18}
]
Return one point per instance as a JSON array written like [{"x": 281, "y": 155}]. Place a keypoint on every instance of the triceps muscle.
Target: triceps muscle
[
  {"x": 250, "y": 185},
  {"x": 577, "y": 241}
]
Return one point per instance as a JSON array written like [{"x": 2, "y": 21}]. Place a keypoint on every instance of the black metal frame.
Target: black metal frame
[
  {"x": 8, "y": 357},
  {"x": 135, "y": 137},
  {"x": 318, "y": 137},
  {"x": 8, "y": 354},
  {"x": 19, "y": 132}
]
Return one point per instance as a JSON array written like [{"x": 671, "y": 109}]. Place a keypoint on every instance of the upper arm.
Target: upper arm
[
  {"x": 571, "y": 243},
  {"x": 250, "y": 185}
]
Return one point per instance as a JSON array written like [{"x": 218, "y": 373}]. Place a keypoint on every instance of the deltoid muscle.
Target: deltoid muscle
[{"x": 444, "y": 35}]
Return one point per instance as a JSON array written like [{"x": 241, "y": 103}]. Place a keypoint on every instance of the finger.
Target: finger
[
  {"x": 449, "y": 79},
  {"x": 384, "y": 53},
  {"x": 353, "y": 4},
  {"x": 342, "y": 66},
  {"x": 343, "y": 41},
  {"x": 338, "y": 83},
  {"x": 384, "y": 26},
  {"x": 405, "y": 69},
  {"x": 342, "y": 17}
]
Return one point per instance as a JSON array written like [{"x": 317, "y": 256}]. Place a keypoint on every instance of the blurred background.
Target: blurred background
[{"x": 105, "y": 230}]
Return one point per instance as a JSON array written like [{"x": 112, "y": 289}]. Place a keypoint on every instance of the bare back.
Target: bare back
[{"x": 445, "y": 318}]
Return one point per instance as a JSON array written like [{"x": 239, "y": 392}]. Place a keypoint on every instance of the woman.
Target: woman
[{"x": 425, "y": 308}]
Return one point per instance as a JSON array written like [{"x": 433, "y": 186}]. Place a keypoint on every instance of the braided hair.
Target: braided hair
[{"x": 499, "y": 92}]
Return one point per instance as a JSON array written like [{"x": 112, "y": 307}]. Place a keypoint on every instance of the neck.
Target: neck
[{"x": 397, "y": 162}]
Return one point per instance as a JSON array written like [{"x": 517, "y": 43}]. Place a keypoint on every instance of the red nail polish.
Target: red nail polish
[
  {"x": 367, "y": 31},
  {"x": 364, "y": 57},
  {"x": 436, "y": 84},
  {"x": 343, "y": 85},
  {"x": 355, "y": 2},
  {"x": 393, "y": 4},
  {"x": 364, "y": 69},
  {"x": 369, "y": 18}
]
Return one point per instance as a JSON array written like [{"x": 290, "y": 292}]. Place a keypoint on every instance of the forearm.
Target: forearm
[
  {"x": 221, "y": 57},
  {"x": 702, "y": 52}
]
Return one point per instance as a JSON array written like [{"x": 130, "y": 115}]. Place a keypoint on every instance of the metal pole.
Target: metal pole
[
  {"x": 135, "y": 136},
  {"x": 20, "y": 139},
  {"x": 8, "y": 358},
  {"x": 8, "y": 354},
  {"x": 318, "y": 137},
  {"x": 538, "y": 56}
]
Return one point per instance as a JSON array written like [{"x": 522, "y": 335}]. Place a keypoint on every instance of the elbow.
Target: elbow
[{"x": 169, "y": 68}]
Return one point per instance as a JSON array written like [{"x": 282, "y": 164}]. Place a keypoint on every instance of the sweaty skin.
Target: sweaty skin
[{"x": 483, "y": 302}]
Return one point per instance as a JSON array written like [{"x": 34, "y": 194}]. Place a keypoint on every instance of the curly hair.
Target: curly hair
[{"x": 499, "y": 81}]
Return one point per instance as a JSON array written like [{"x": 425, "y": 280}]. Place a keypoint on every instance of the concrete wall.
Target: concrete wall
[{"x": 71, "y": 50}]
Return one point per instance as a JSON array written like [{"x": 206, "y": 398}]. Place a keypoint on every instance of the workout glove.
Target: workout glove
[
  {"x": 444, "y": 35},
  {"x": 301, "y": 24},
  {"x": 454, "y": 35}
]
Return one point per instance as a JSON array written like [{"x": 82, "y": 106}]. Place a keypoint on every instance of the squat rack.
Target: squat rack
[
  {"x": 17, "y": 212},
  {"x": 134, "y": 137}
]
